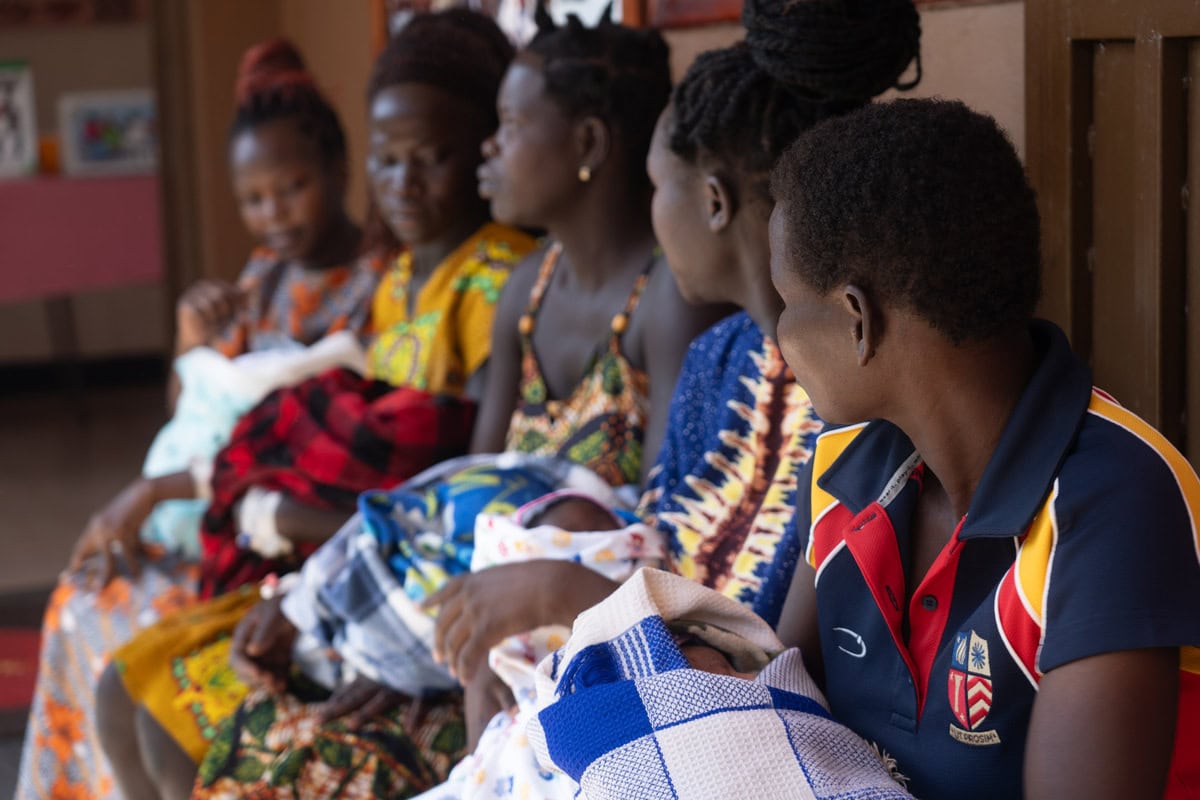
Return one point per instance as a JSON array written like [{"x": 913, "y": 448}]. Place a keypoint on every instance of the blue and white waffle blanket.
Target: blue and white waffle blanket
[
  {"x": 357, "y": 603},
  {"x": 624, "y": 714}
]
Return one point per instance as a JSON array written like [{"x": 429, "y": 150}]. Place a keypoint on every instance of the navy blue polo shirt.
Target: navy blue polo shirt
[{"x": 1081, "y": 539}]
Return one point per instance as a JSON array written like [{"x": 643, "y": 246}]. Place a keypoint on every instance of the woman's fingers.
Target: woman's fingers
[
  {"x": 383, "y": 701},
  {"x": 346, "y": 700},
  {"x": 449, "y": 602}
]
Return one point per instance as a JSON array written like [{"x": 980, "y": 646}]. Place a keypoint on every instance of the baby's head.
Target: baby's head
[
  {"x": 706, "y": 658},
  {"x": 572, "y": 512}
]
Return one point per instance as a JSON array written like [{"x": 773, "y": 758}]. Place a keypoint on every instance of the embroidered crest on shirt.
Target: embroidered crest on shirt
[{"x": 970, "y": 688}]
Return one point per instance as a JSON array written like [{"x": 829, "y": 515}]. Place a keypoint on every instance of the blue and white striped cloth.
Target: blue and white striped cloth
[{"x": 624, "y": 714}]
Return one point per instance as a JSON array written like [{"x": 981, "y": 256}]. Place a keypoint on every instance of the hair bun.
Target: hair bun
[
  {"x": 834, "y": 50},
  {"x": 270, "y": 66}
]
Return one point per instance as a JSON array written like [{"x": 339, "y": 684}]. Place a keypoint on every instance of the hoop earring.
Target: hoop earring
[{"x": 585, "y": 173}]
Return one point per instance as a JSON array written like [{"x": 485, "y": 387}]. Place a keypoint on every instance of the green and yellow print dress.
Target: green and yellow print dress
[{"x": 602, "y": 423}]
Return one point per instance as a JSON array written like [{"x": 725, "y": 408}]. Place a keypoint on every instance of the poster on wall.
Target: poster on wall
[
  {"x": 22, "y": 13},
  {"x": 18, "y": 125},
  {"x": 108, "y": 133}
]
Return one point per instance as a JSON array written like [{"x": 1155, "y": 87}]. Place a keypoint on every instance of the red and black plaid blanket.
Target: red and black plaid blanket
[{"x": 322, "y": 443}]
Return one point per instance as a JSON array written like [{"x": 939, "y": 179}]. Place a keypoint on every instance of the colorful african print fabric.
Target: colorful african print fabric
[
  {"x": 274, "y": 749},
  {"x": 289, "y": 305},
  {"x": 448, "y": 334},
  {"x": 602, "y": 422},
  {"x": 61, "y": 756},
  {"x": 724, "y": 487}
]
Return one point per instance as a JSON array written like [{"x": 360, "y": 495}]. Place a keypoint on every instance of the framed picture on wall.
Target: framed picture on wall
[
  {"x": 108, "y": 133},
  {"x": 18, "y": 125}
]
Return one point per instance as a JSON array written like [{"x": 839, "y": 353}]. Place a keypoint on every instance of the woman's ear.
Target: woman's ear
[
  {"x": 866, "y": 323},
  {"x": 720, "y": 202},
  {"x": 593, "y": 143}
]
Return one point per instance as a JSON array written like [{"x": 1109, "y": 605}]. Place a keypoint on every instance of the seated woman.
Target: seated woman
[
  {"x": 298, "y": 460},
  {"x": 1012, "y": 547},
  {"x": 724, "y": 490},
  {"x": 287, "y": 157},
  {"x": 606, "y": 374}
]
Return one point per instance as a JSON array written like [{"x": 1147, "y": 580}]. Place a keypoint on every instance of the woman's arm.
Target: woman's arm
[
  {"x": 115, "y": 529},
  {"x": 1103, "y": 727},
  {"x": 798, "y": 620},
  {"x": 300, "y": 523},
  {"x": 663, "y": 337},
  {"x": 204, "y": 310},
  {"x": 499, "y": 397}
]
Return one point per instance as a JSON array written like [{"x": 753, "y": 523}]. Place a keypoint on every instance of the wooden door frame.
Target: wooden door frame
[{"x": 1059, "y": 58}]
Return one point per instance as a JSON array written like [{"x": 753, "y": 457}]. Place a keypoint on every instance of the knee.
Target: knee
[{"x": 168, "y": 765}]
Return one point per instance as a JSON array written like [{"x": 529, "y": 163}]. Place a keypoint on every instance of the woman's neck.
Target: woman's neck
[
  {"x": 426, "y": 256},
  {"x": 600, "y": 237},
  {"x": 956, "y": 412},
  {"x": 338, "y": 247},
  {"x": 754, "y": 292}
]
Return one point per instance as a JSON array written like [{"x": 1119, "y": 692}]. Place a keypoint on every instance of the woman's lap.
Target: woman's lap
[{"x": 275, "y": 747}]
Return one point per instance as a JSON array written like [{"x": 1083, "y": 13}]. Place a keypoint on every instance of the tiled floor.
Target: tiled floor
[{"x": 60, "y": 459}]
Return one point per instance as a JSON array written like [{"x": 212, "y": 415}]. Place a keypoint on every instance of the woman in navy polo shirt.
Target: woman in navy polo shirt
[{"x": 1002, "y": 588}]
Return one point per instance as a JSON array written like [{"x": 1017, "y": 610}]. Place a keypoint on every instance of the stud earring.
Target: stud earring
[{"x": 585, "y": 173}]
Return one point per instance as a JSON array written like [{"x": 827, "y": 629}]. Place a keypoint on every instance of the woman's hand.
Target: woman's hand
[
  {"x": 114, "y": 532},
  {"x": 261, "y": 650},
  {"x": 479, "y": 610},
  {"x": 359, "y": 701},
  {"x": 204, "y": 310}
]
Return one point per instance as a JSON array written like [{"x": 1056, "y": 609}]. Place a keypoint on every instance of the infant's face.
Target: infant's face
[
  {"x": 576, "y": 514},
  {"x": 709, "y": 659}
]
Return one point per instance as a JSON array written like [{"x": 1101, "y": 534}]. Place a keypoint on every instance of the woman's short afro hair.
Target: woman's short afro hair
[{"x": 924, "y": 204}]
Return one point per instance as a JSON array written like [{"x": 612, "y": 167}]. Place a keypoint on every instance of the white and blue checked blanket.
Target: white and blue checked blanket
[
  {"x": 623, "y": 713},
  {"x": 357, "y": 603}
]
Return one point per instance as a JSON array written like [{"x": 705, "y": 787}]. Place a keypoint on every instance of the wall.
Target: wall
[
  {"x": 78, "y": 59},
  {"x": 977, "y": 54},
  {"x": 339, "y": 54},
  {"x": 126, "y": 320},
  {"x": 973, "y": 53}
]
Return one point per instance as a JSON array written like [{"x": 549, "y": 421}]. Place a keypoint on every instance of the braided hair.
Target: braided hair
[
  {"x": 459, "y": 51},
  {"x": 802, "y": 61},
  {"x": 621, "y": 75},
  {"x": 273, "y": 83}
]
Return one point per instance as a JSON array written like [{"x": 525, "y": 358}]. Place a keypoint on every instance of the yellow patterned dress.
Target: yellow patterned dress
[
  {"x": 449, "y": 335},
  {"x": 178, "y": 669},
  {"x": 602, "y": 423}
]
